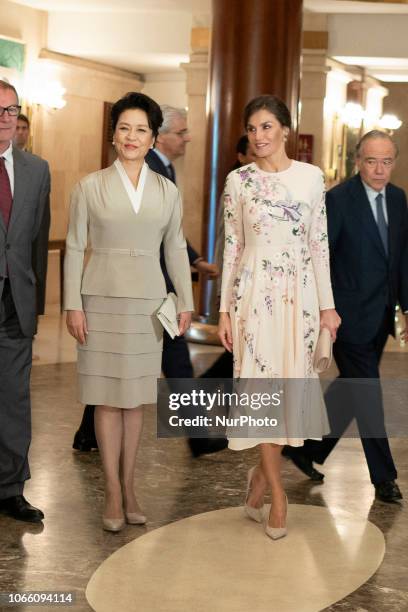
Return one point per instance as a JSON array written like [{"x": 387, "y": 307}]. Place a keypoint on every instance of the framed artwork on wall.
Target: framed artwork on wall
[
  {"x": 12, "y": 59},
  {"x": 12, "y": 54}
]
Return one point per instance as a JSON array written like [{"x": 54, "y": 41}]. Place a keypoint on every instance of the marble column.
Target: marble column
[
  {"x": 196, "y": 87},
  {"x": 255, "y": 49},
  {"x": 313, "y": 92}
]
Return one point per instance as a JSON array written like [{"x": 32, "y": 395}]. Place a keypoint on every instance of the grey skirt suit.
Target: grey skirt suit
[{"x": 121, "y": 286}]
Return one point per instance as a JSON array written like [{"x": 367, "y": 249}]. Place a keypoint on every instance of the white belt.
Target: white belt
[{"x": 130, "y": 252}]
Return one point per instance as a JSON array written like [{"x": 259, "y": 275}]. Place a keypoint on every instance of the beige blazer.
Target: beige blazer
[{"x": 123, "y": 245}]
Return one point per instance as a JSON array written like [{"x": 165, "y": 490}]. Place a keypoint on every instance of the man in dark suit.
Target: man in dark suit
[
  {"x": 176, "y": 363},
  {"x": 368, "y": 239},
  {"x": 24, "y": 192}
]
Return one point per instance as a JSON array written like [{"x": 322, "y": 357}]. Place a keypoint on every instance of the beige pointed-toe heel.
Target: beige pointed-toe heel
[
  {"x": 135, "y": 518},
  {"x": 113, "y": 524},
  {"x": 277, "y": 532},
  {"x": 253, "y": 513}
]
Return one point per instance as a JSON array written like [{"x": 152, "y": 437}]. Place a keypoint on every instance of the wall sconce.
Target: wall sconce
[
  {"x": 42, "y": 86},
  {"x": 352, "y": 115},
  {"x": 389, "y": 123},
  {"x": 50, "y": 94},
  {"x": 42, "y": 90}
]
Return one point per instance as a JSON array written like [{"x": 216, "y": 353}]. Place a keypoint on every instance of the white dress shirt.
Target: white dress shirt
[{"x": 9, "y": 165}]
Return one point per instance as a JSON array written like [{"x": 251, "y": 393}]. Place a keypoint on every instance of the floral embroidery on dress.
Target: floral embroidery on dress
[{"x": 276, "y": 267}]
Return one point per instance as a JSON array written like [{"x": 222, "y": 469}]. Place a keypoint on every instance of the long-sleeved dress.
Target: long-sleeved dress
[
  {"x": 122, "y": 285},
  {"x": 276, "y": 279}
]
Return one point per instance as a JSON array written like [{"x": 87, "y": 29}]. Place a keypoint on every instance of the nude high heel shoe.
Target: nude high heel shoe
[
  {"x": 277, "y": 532},
  {"x": 113, "y": 524},
  {"x": 135, "y": 518},
  {"x": 253, "y": 513}
]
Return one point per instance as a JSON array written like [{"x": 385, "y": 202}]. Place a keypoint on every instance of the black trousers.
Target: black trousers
[
  {"x": 176, "y": 362},
  {"x": 222, "y": 368},
  {"x": 346, "y": 402},
  {"x": 15, "y": 410}
]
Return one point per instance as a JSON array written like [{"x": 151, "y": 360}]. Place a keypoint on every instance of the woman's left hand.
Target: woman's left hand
[
  {"x": 184, "y": 322},
  {"x": 330, "y": 319}
]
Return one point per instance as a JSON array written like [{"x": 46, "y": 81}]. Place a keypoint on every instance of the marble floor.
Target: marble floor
[{"x": 64, "y": 553}]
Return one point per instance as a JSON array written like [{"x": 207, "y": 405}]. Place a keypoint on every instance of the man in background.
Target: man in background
[{"x": 22, "y": 134}]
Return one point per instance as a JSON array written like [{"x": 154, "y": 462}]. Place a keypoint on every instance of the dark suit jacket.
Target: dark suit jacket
[
  {"x": 365, "y": 280},
  {"x": 31, "y": 194},
  {"x": 40, "y": 257},
  {"x": 155, "y": 163}
]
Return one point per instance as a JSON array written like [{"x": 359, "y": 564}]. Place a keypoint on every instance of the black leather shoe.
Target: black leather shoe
[
  {"x": 206, "y": 446},
  {"x": 388, "y": 491},
  {"x": 84, "y": 443},
  {"x": 303, "y": 463},
  {"x": 19, "y": 508}
]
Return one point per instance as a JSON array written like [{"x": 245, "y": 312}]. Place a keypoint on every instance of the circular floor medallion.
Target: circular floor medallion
[{"x": 221, "y": 561}]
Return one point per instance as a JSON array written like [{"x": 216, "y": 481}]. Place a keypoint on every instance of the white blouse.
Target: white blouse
[{"x": 135, "y": 194}]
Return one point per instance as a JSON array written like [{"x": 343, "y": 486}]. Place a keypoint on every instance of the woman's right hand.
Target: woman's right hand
[
  {"x": 76, "y": 324},
  {"x": 225, "y": 331}
]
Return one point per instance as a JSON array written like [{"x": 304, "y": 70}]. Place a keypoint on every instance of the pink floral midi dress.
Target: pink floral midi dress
[{"x": 276, "y": 277}]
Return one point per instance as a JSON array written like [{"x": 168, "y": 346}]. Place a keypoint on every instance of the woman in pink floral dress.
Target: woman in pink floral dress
[{"x": 276, "y": 291}]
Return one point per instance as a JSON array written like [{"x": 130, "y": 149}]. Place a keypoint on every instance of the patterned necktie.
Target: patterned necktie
[
  {"x": 381, "y": 222},
  {"x": 171, "y": 172},
  {"x": 6, "y": 197}
]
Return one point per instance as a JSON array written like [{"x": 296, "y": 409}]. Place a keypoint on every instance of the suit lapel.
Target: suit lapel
[
  {"x": 155, "y": 163},
  {"x": 21, "y": 182},
  {"x": 393, "y": 226},
  {"x": 369, "y": 223}
]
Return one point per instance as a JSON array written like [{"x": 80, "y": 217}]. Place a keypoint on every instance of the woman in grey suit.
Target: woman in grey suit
[{"x": 122, "y": 214}]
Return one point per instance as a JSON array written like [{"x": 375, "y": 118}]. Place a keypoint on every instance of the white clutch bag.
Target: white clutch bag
[
  {"x": 167, "y": 315},
  {"x": 324, "y": 351}
]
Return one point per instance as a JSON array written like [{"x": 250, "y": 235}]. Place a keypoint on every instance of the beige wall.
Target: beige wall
[
  {"x": 397, "y": 103},
  {"x": 70, "y": 139},
  {"x": 166, "y": 88}
]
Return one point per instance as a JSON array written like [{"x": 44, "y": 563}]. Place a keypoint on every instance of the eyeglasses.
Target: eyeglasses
[{"x": 12, "y": 110}]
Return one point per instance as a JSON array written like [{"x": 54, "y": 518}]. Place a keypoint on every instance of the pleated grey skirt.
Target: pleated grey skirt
[{"x": 121, "y": 361}]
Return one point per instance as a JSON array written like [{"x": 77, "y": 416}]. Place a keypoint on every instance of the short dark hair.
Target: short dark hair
[
  {"x": 271, "y": 103},
  {"x": 24, "y": 118},
  {"x": 144, "y": 103},
  {"x": 242, "y": 145},
  {"x": 6, "y": 85},
  {"x": 375, "y": 134}
]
